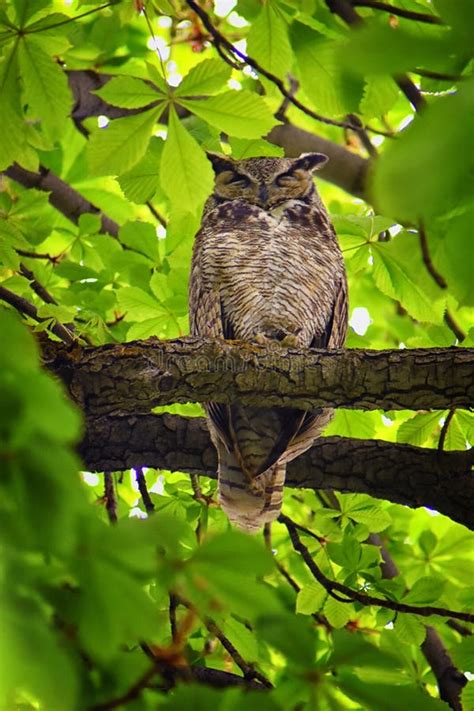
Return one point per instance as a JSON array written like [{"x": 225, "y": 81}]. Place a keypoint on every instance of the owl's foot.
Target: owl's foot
[
  {"x": 261, "y": 339},
  {"x": 290, "y": 341}
]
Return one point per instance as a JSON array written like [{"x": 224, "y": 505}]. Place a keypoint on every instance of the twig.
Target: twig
[
  {"x": 460, "y": 629},
  {"x": 133, "y": 693},
  {"x": 346, "y": 12},
  {"x": 351, "y": 595},
  {"x": 399, "y": 11},
  {"x": 455, "y": 328},
  {"x": 445, "y": 428},
  {"x": 37, "y": 255},
  {"x": 156, "y": 214},
  {"x": 142, "y": 488},
  {"x": 358, "y": 128},
  {"x": 425, "y": 252},
  {"x": 439, "y": 279},
  {"x": 222, "y": 42},
  {"x": 38, "y": 288},
  {"x": 27, "y": 308},
  {"x": 172, "y": 617},
  {"x": 247, "y": 669},
  {"x": 109, "y": 497},
  {"x": 440, "y": 76}
]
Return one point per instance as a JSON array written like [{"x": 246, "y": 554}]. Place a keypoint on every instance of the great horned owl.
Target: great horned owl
[{"x": 266, "y": 266}]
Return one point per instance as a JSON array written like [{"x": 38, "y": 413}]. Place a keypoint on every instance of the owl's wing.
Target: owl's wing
[{"x": 299, "y": 429}]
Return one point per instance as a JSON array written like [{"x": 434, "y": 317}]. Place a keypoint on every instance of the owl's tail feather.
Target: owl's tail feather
[{"x": 249, "y": 505}]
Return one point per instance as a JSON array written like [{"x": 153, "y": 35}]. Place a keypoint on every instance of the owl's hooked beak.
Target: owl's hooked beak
[{"x": 262, "y": 194}]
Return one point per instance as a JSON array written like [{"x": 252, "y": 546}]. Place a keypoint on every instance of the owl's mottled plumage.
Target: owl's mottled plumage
[{"x": 266, "y": 266}]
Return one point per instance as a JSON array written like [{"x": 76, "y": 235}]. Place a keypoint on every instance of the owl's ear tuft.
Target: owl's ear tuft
[
  {"x": 310, "y": 161},
  {"x": 220, "y": 162}
]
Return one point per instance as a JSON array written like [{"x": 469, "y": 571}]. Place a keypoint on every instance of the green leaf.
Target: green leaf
[
  {"x": 329, "y": 89},
  {"x": 186, "y": 174},
  {"x": 426, "y": 591},
  {"x": 420, "y": 176},
  {"x": 418, "y": 428},
  {"x": 45, "y": 86},
  {"x": 361, "y": 509},
  {"x": 374, "y": 697},
  {"x": 350, "y": 423},
  {"x": 395, "y": 274},
  {"x": 456, "y": 269},
  {"x": 116, "y": 148},
  {"x": 338, "y": 613},
  {"x": 235, "y": 552},
  {"x": 467, "y": 696},
  {"x": 247, "y": 148},
  {"x": 137, "y": 304},
  {"x": 380, "y": 94},
  {"x": 267, "y": 40},
  {"x": 141, "y": 182},
  {"x": 128, "y": 92},
  {"x": 351, "y": 650},
  {"x": 142, "y": 237},
  {"x": 238, "y": 113},
  {"x": 310, "y": 599},
  {"x": 378, "y": 49},
  {"x": 409, "y": 629},
  {"x": 207, "y": 77},
  {"x": 26, "y": 9},
  {"x": 13, "y": 146},
  {"x": 290, "y": 635}
]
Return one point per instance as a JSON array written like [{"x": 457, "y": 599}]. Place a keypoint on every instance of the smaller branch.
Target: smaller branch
[
  {"x": 351, "y": 595},
  {"x": 425, "y": 252},
  {"x": 439, "y": 279},
  {"x": 142, "y": 488},
  {"x": 445, "y": 428},
  {"x": 172, "y": 616},
  {"x": 28, "y": 309},
  {"x": 109, "y": 497},
  {"x": 429, "y": 74},
  {"x": 133, "y": 693},
  {"x": 399, "y": 11},
  {"x": 156, "y": 214},
  {"x": 247, "y": 669},
  {"x": 455, "y": 328},
  {"x": 460, "y": 629},
  {"x": 38, "y": 288},
  {"x": 449, "y": 679},
  {"x": 358, "y": 128},
  {"x": 37, "y": 255}
]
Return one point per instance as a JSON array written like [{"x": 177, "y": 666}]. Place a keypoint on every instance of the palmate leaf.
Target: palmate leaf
[
  {"x": 186, "y": 174},
  {"x": 268, "y": 42},
  {"x": 116, "y": 148},
  {"x": 374, "y": 697},
  {"x": 380, "y": 94},
  {"x": 398, "y": 275},
  {"x": 238, "y": 113},
  {"x": 45, "y": 86},
  {"x": 140, "y": 183},
  {"x": 418, "y": 428},
  {"x": 328, "y": 87},
  {"x": 128, "y": 92},
  {"x": 13, "y": 145},
  {"x": 207, "y": 77}
]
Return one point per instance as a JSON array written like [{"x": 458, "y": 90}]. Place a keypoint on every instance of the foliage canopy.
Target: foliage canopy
[{"x": 85, "y": 604}]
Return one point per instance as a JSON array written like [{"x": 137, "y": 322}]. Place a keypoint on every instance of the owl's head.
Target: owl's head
[{"x": 266, "y": 182}]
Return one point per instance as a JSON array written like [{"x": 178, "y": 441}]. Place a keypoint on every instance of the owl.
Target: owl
[{"x": 266, "y": 267}]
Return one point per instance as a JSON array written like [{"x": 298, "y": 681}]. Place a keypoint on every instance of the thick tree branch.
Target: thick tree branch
[
  {"x": 137, "y": 376},
  {"x": 397, "y": 472}
]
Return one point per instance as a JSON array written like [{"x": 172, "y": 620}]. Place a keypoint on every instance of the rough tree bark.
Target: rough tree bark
[
  {"x": 134, "y": 377},
  {"x": 404, "y": 474}
]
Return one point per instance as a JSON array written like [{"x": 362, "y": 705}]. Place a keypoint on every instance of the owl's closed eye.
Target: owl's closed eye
[{"x": 267, "y": 189}]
